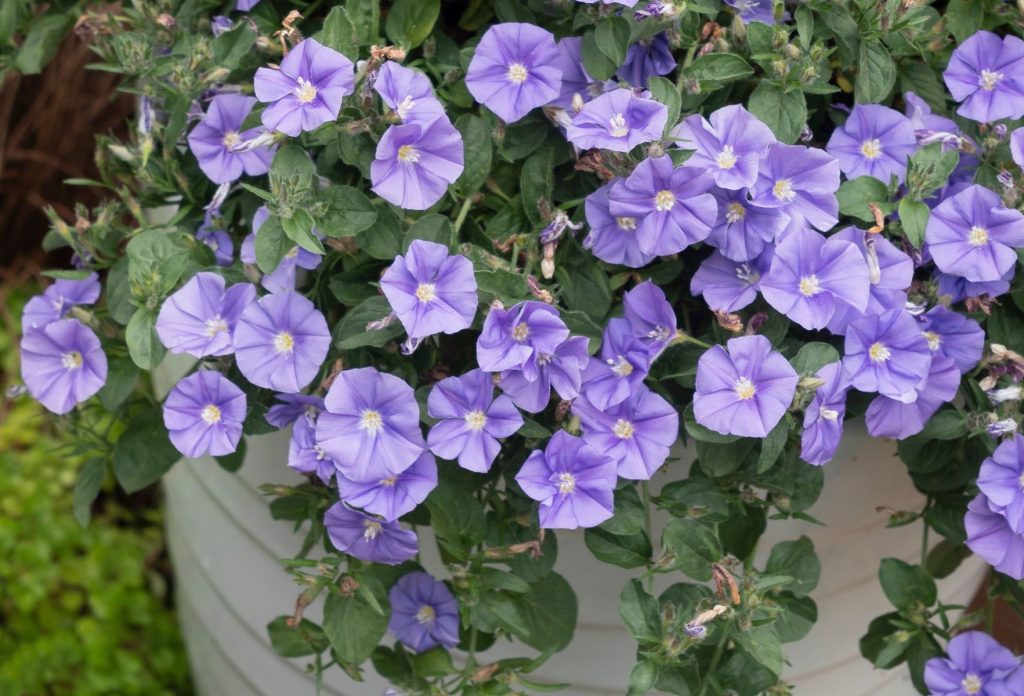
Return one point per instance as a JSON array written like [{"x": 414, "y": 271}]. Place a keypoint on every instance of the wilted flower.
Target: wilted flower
[
  {"x": 561, "y": 369},
  {"x": 369, "y": 538},
  {"x": 304, "y": 455},
  {"x": 802, "y": 182},
  {"x": 998, "y": 428},
  {"x": 875, "y": 141},
  {"x": 645, "y": 59},
  {"x": 408, "y": 93},
  {"x": 612, "y": 239},
  {"x": 199, "y": 318},
  {"x": 424, "y": 614},
  {"x": 58, "y": 299},
  {"x": 416, "y": 162},
  {"x": 617, "y": 121},
  {"x": 976, "y": 664},
  {"x": 394, "y": 495},
  {"x": 730, "y": 285},
  {"x": 213, "y": 140},
  {"x": 823, "y": 417},
  {"x": 955, "y": 336},
  {"x": 886, "y": 353},
  {"x": 513, "y": 70},
  {"x": 984, "y": 73},
  {"x": 62, "y": 364},
  {"x": 730, "y": 147},
  {"x": 515, "y": 338},
  {"x": 888, "y": 417},
  {"x": 203, "y": 414},
  {"x": 1001, "y": 396}
]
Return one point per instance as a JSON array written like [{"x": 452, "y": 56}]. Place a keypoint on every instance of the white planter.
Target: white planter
[{"x": 230, "y": 584}]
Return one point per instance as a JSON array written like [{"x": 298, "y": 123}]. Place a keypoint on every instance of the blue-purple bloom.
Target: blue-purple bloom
[
  {"x": 890, "y": 271},
  {"x": 823, "y": 417},
  {"x": 744, "y": 227},
  {"x": 371, "y": 425},
  {"x": 875, "y": 141},
  {"x": 219, "y": 241},
  {"x": 620, "y": 368},
  {"x": 394, "y": 495},
  {"x": 990, "y": 536},
  {"x": 416, "y": 162},
  {"x": 200, "y": 317},
  {"x": 650, "y": 316},
  {"x": 470, "y": 420},
  {"x": 369, "y": 538},
  {"x": 617, "y": 121},
  {"x": 802, "y": 182},
  {"x": 305, "y": 92},
  {"x": 513, "y": 70},
  {"x": 984, "y": 73},
  {"x": 729, "y": 147},
  {"x": 744, "y": 389},
  {"x": 729, "y": 286},
  {"x": 281, "y": 341},
  {"x": 575, "y": 79},
  {"x": 976, "y": 665},
  {"x": 304, "y": 455},
  {"x": 424, "y": 614},
  {"x": 647, "y": 58},
  {"x": 283, "y": 277},
  {"x": 291, "y": 406},
  {"x": 611, "y": 238},
  {"x": 671, "y": 205},
  {"x": 515, "y": 338},
  {"x": 431, "y": 290},
  {"x": 561, "y": 369},
  {"x": 887, "y": 417},
  {"x": 203, "y": 414},
  {"x": 213, "y": 141},
  {"x": 62, "y": 364},
  {"x": 408, "y": 93},
  {"x": 974, "y": 236},
  {"x": 886, "y": 353},
  {"x": 754, "y": 10},
  {"x": 573, "y": 483},
  {"x": 1000, "y": 480},
  {"x": 955, "y": 336},
  {"x": 57, "y": 300},
  {"x": 958, "y": 288},
  {"x": 637, "y": 432}
]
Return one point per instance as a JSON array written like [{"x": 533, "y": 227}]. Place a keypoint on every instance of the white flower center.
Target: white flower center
[
  {"x": 426, "y": 292},
  {"x": 934, "y": 340},
  {"x": 231, "y": 138},
  {"x": 872, "y": 149},
  {"x": 72, "y": 360},
  {"x": 727, "y": 158},
  {"x": 809, "y": 285},
  {"x": 408, "y": 154},
  {"x": 476, "y": 420},
  {"x": 621, "y": 367},
  {"x": 745, "y": 389},
  {"x": 618, "y": 127},
  {"x": 747, "y": 274},
  {"x": 735, "y": 212},
  {"x": 566, "y": 483},
  {"x": 292, "y": 253},
  {"x": 388, "y": 482},
  {"x": 664, "y": 200},
  {"x": 305, "y": 92},
  {"x": 878, "y": 352},
  {"x": 783, "y": 190},
  {"x": 520, "y": 332},
  {"x": 988, "y": 79},
  {"x": 627, "y": 224},
  {"x": 284, "y": 342},
  {"x": 371, "y": 528},
  {"x": 1020, "y": 482},
  {"x": 406, "y": 105},
  {"x": 517, "y": 73},
  {"x": 978, "y": 236},
  {"x": 971, "y": 684},
  {"x": 370, "y": 421},
  {"x": 320, "y": 454},
  {"x": 426, "y": 614},
  {"x": 216, "y": 325},
  {"x": 829, "y": 414},
  {"x": 623, "y": 429},
  {"x": 210, "y": 414}
]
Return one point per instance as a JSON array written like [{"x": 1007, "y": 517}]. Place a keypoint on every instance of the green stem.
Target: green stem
[
  {"x": 924, "y": 533},
  {"x": 463, "y": 212},
  {"x": 716, "y": 658},
  {"x": 645, "y": 494}
]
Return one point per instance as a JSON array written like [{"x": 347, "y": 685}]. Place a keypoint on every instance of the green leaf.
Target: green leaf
[
  {"x": 798, "y": 618},
  {"x": 233, "y": 462},
  {"x": 630, "y": 514},
  {"x": 721, "y": 67},
  {"x": 964, "y": 18},
  {"x": 144, "y": 453},
  {"x": 695, "y": 546},
  {"x": 271, "y": 244},
  {"x": 784, "y": 112},
  {"x": 914, "y": 218},
  {"x": 233, "y": 45},
  {"x": 353, "y": 627},
  {"x": 640, "y": 612},
  {"x": 432, "y": 228},
  {"x": 299, "y": 229},
  {"x": 292, "y": 168},
  {"x": 351, "y": 331},
  {"x": 41, "y": 42},
  {"x": 929, "y": 169},
  {"x": 383, "y": 239},
  {"x": 410, "y": 22},
  {"x": 544, "y": 618},
  {"x": 694, "y": 498},
  {"x": 338, "y": 33},
  {"x": 813, "y": 356},
  {"x": 436, "y": 662},
  {"x": 365, "y": 18},
  {"x": 854, "y": 196},
  {"x": 797, "y": 560},
  {"x": 642, "y": 678},
  {"x": 773, "y": 444},
  {"x": 144, "y": 345},
  {"x": 349, "y": 212},
  {"x": 457, "y": 518},
  {"x": 763, "y": 645},
  {"x": 876, "y": 73},
  {"x": 921, "y": 78},
  {"x": 596, "y": 63},
  {"x": 536, "y": 183},
  {"x": 122, "y": 376},
  {"x": 506, "y": 286},
  {"x": 532, "y": 430},
  {"x": 479, "y": 152},
  {"x": 305, "y": 639},
  {"x": 612, "y": 37},
  {"x": 625, "y": 551},
  {"x": 87, "y": 487},
  {"x": 945, "y": 557},
  {"x": 906, "y": 585},
  {"x": 664, "y": 91}
]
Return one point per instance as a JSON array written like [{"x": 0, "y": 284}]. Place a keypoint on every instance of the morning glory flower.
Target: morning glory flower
[
  {"x": 575, "y": 79},
  {"x": 671, "y": 205},
  {"x": 1000, "y": 480},
  {"x": 199, "y": 318},
  {"x": 282, "y": 278},
  {"x": 627, "y": 3},
  {"x": 890, "y": 271},
  {"x": 886, "y": 353},
  {"x": 744, "y": 389},
  {"x": 57, "y": 300},
  {"x": 1017, "y": 147},
  {"x": 219, "y": 241},
  {"x": 573, "y": 483},
  {"x": 617, "y": 121},
  {"x": 304, "y": 455},
  {"x": 305, "y": 92},
  {"x": 281, "y": 341},
  {"x": 431, "y": 290},
  {"x": 62, "y": 364},
  {"x": 620, "y": 368},
  {"x": 424, "y": 614},
  {"x": 744, "y": 227},
  {"x": 371, "y": 425},
  {"x": 416, "y": 162},
  {"x": 470, "y": 420},
  {"x": 392, "y": 496},
  {"x": 823, "y": 417},
  {"x": 213, "y": 139},
  {"x": 984, "y": 73},
  {"x": 952, "y": 334},
  {"x": 990, "y": 536},
  {"x": 203, "y": 414},
  {"x": 887, "y": 417},
  {"x": 958, "y": 289},
  {"x": 408, "y": 93},
  {"x": 754, "y": 10},
  {"x": 369, "y": 538},
  {"x": 611, "y": 238},
  {"x": 513, "y": 70},
  {"x": 875, "y": 141},
  {"x": 974, "y": 236},
  {"x": 561, "y": 369},
  {"x": 514, "y": 338},
  {"x": 976, "y": 665},
  {"x": 291, "y": 406},
  {"x": 802, "y": 182},
  {"x": 729, "y": 147},
  {"x": 650, "y": 316},
  {"x": 637, "y": 432},
  {"x": 729, "y": 286},
  {"x": 246, "y": 5},
  {"x": 811, "y": 275},
  {"x": 645, "y": 59}
]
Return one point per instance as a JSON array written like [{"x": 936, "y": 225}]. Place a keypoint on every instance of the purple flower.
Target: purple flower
[
  {"x": 921, "y": 117},
  {"x": 823, "y": 417},
  {"x": 369, "y": 538},
  {"x": 424, "y": 614},
  {"x": 573, "y": 483},
  {"x": 729, "y": 147},
  {"x": 647, "y": 58},
  {"x": 408, "y": 93},
  {"x": 886, "y": 353},
  {"x": 281, "y": 342},
  {"x": 220, "y": 24},
  {"x": 218, "y": 240},
  {"x": 291, "y": 406},
  {"x": 575, "y": 80},
  {"x": 890, "y": 271},
  {"x": 887, "y": 417},
  {"x": 984, "y": 73},
  {"x": 754, "y": 10},
  {"x": 670, "y": 204},
  {"x": 802, "y": 182},
  {"x": 304, "y": 455},
  {"x": 875, "y": 141},
  {"x": 955, "y": 336},
  {"x": 198, "y": 319},
  {"x": 203, "y": 414},
  {"x": 62, "y": 364},
  {"x": 282, "y": 278},
  {"x": 1000, "y": 480},
  {"x": 976, "y": 665},
  {"x": 415, "y": 163},
  {"x": 1017, "y": 147},
  {"x": 305, "y": 92},
  {"x": 561, "y": 369},
  {"x": 394, "y": 495},
  {"x": 213, "y": 140},
  {"x": 470, "y": 420},
  {"x": 989, "y": 535},
  {"x": 621, "y": 368},
  {"x": 618, "y": 121},
  {"x": 371, "y": 425},
  {"x": 744, "y": 389},
  {"x": 627, "y": 3},
  {"x": 513, "y": 339},
  {"x": 431, "y": 291},
  {"x": 246, "y": 5},
  {"x": 957, "y": 288},
  {"x": 744, "y": 227},
  {"x": 637, "y": 432},
  {"x": 611, "y": 238},
  {"x": 972, "y": 235},
  {"x": 727, "y": 285},
  {"x": 57, "y": 300},
  {"x": 650, "y": 316},
  {"x": 513, "y": 70},
  {"x": 811, "y": 275}
]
